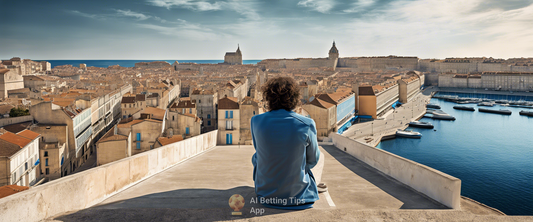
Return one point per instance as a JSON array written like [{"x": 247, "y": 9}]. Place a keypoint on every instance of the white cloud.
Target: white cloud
[
  {"x": 184, "y": 30},
  {"x": 86, "y": 15},
  {"x": 193, "y": 5},
  {"x": 322, "y": 6},
  {"x": 130, "y": 13},
  {"x": 359, "y": 6},
  {"x": 245, "y": 8},
  {"x": 441, "y": 28}
]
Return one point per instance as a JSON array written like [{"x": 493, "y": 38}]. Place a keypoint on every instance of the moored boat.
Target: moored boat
[
  {"x": 433, "y": 106},
  {"x": 408, "y": 134},
  {"x": 421, "y": 124},
  {"x": 501, "y": 111},
  {"x": 467, "y": 108},
  {"x": 442, "y": 116},
  {"x": 526, "y": 113},
  {"x": 486, "y": 104}
]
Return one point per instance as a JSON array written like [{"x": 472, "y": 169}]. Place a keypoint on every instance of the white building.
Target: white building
[{"x": 19, "y": 158}]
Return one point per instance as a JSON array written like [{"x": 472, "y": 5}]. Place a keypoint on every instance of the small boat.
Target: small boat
[
  {"x": 467, "y": 108},
  {"x": 486, "y": 104},
  {"x": 408, "y": 134},
  {"x": 526, "y": 113},
  {"x": 421, "y": 124},
  {"x": 442, "y": 116},
  {"x": 433, "y": 106},
  {"x": 501, "y": 111}
]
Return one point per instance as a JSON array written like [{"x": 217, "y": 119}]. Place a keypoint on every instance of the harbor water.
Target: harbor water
[{"x": 492, "y": 154}]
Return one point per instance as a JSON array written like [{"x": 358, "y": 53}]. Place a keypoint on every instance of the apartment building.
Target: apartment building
[
  {"x": 228, "y": 121},
  {"x": 19, "y": 158}
]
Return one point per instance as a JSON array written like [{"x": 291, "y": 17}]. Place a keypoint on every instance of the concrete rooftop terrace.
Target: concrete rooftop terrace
[{"x": 198, "y": 189}]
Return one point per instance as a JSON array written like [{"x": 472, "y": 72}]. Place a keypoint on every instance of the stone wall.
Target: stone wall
[
  {"x": 90, "y": 187},
  {"x": 437, "y": 185},
  {"x": 14, "y": 120}
]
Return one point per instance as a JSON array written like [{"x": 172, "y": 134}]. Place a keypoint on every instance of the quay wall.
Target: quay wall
[
  {"x": 90, "y": 187},
  {"x": 437, "y": 185}
]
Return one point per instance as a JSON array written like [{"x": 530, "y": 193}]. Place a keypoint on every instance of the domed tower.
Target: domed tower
[{"x": 333, "y": 52}]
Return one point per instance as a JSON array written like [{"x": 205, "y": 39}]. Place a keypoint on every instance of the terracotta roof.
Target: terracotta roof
[
  {"x": 140, "y": 97},
  {"x": 29, "y": 134},
  {"x": 15, "y": 139},
  {"x": 11, "y": 189},
  {"x": 185, "y": 104},
  {"x": 228, "y": 103},
  {"x": 128, "y": 124},
  {"x": 113, "y": 138},
  {"x": 366, "y": 91},
  {"x": 157, "y": 113},
  {"x": 128, "y": 99},
  {"x": 165, "y": 140},
  {"x": 321, "y": 103},
  {"x": 327, "y": 98},
  {"x": 8, "y": 149}
]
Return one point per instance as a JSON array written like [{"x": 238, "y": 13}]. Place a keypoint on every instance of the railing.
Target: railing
[
  {"x": 96, "y": 184},
  {"x": 441, "y": 187}
]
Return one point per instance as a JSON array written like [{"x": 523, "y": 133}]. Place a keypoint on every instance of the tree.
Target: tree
[{"x": 19, "y": 112}]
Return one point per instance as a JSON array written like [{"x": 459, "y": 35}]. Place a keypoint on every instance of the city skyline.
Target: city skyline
[{"x": 183, "y": 29}]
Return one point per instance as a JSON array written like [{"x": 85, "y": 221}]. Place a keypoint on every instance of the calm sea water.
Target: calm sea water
[
  {"x": 131, "y": 63},
  {"x": 492, "y": 154}
]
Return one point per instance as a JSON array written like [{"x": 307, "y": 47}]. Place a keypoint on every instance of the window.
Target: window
[
  {"x": 226, "y": 114},
  {"x": 187, "y": 130},
  {"x": 183, "y": 110},
  {"x": 254, "y": 113},
  {"x": 138, "y": 137},
  {"x": 45, "y": 153},
  {"x": 209, "y": 122},
  {"x": 231, "y": 114},
  {"x": 209, "y": 116},
  {"x": 190, "y": 110},
  {"x": 172, "y": 118},
  {"x": 46, "y": 162},
  {"x": 25, "y": 166},
  {"x": 138, "y": 146},
  {"x": 229, "y": 125},
  {"x": 199, "y": 101},
  {"x": 47, "y": 171}
]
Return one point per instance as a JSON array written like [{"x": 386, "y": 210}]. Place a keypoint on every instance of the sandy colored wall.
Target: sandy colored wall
[
  {"x": 90, "y": 187},
  {"x": 437, "y": 185},
  {"x": 367, "y": 106}
]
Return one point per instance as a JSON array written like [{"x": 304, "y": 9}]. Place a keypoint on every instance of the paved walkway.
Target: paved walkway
[
  {"x": 199, "y": 189},
  {"x": 371, "y": 132}
]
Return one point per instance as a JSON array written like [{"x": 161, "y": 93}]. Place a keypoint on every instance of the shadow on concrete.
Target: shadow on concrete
[
  {"x": 175, "y": 205},
  {"x": 411, "y": 198}
]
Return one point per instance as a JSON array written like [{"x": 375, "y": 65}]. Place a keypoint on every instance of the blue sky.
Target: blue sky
[{"x": 206, "y": 29}]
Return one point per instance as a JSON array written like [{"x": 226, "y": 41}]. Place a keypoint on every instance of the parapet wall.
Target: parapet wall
[
  {"x": 14, "y": 120},
  {"x": 90, "y": 187},
  {"x": 441, "y": 187}
]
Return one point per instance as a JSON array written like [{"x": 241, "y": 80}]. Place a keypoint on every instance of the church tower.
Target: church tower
[{"x": 333, "y": 52}]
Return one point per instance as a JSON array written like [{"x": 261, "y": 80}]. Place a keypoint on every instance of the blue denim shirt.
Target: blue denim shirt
[{"x": 286, "y": 151}]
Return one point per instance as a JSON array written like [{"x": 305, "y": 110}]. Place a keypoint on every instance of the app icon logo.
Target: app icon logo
[{"x": 236, "y": 202}]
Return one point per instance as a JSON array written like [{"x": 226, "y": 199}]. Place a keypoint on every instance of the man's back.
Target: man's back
[{"x": 286, "y": 150}]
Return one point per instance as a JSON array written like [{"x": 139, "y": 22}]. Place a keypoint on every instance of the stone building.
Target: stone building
[
  {"x": 233, "y": 58},
  {"x": 324, "y": 115},
  {"x": 378, "y": 99},
  {"x": 144, "y": 133},
  {"x": 247, "y": 109},
  {"x": 234, "y": 88},
  {"x": 112, "y": 147},
  {"x": 53, "y": 147},
  {"x": 132, "y": 104},
  {"x": 182, "y": 120},
  {"x": 507, "y": 81},
  {"x": 9, "y": 80},
  {"x": 408, "y": 88},
  {"x": 206, "y": 106},
  {"x": 228, "y": 121},
  {"x": 19, "y": 158}
]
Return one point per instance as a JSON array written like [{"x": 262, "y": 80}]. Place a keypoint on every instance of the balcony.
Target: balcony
[{"x": 199, "y": 188}]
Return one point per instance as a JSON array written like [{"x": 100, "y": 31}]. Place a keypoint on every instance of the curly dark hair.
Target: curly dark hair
[{"x": 281, "y": 93}]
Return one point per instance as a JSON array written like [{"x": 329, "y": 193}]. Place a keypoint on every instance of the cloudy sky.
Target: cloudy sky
[{"x": 206, "y": 29}]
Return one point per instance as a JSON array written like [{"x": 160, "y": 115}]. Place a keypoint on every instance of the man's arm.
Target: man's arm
[{"x": 312, "y": 151}]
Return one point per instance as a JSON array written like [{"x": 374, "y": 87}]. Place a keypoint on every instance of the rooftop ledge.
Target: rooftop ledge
[{"x": 193, "y": 180}]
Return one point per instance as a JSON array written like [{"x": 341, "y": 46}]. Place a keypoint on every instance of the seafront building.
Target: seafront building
[{"x": 19, "y": 158}]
